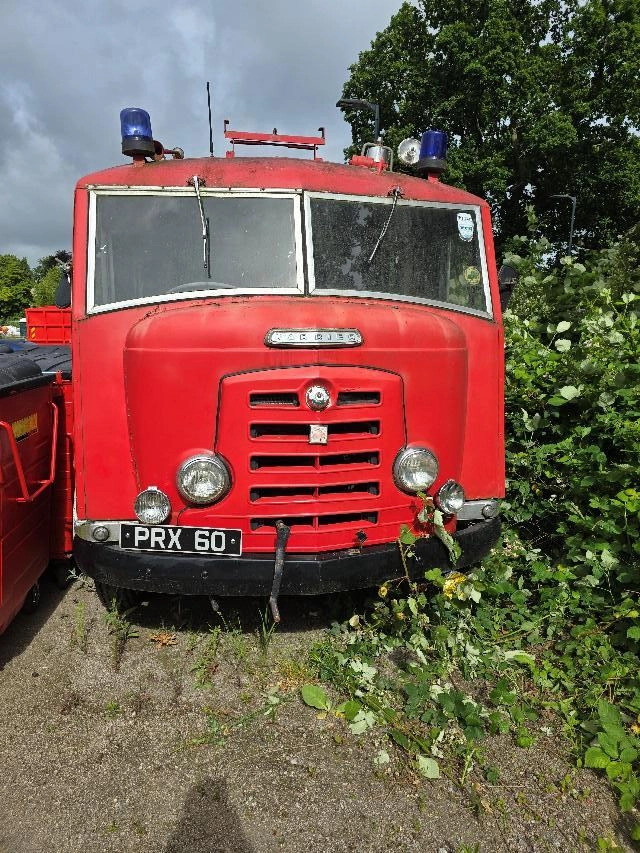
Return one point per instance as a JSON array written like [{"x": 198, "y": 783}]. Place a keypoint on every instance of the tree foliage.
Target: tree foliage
[
  {"x": 16, "y": 281},
  {"x": 47, "y": 277},
  {"x": 44, "y": 288},
  {"x": 538, "y": 98},
  {"x": 49, "y": 262},
  {"x": 550, "y": 622}
]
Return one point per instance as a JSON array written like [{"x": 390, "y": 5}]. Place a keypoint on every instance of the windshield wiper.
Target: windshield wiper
[
  {"x": 196, "y": 181},
  {"x": 396, "y": 192}
]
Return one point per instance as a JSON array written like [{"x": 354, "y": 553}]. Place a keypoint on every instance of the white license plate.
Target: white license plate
[{"x": 187, "y": 540}]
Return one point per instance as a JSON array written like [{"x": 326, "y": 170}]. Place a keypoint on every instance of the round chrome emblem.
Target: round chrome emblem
[{"x": 317, "y": 397}]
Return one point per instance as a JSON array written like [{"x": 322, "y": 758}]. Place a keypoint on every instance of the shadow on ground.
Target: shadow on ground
[
  {"x": 25, "y": 627},
  {"x": 248, "y": 615},
  {"x": 208, "y": 823}
]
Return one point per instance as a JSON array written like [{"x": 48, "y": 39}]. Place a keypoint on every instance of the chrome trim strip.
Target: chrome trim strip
[
  {"x": 313, "y": 338},
  {"x": 83, "y": 529},
  {"x": 473, "y": 510}
]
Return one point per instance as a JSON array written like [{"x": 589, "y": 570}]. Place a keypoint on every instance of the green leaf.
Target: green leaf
[
  {"x": 400, "y": 738},
  {"x": 633, "y": 633},
  {"x": 608, "y": 743},
  {"x": 406, "y": 536},
  {"x": 596, "y": 758},
  {"x": 562, "y": 344},
  {"x": 524, "y": 738},
  {"x": 562, "y": 326},
  {"x": 569, "y": 392},
  {"x": 616, "y": 770},
  {"x": 428, "y": 767},
  {"x": 626, "y": 802},
  {"x": 362, "y": 721},
  {"x": 519, "y": 656},
  {"x": 315, "y": 697},
  {"x": 609, "y": 716},
  {"x": 381, "y": 758},
  {"x": 628, "y": 754},
  {"x": 348, "y": 709}
]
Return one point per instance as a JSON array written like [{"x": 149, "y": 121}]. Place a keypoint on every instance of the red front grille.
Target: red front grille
[{"x": 327, "y": 493}]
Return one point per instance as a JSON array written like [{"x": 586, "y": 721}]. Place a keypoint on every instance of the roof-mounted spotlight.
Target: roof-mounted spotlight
[
  {"x": 137, "y": 138},
  {"x": 433, "y": 152},
  {"x": 409, "y": 151}
]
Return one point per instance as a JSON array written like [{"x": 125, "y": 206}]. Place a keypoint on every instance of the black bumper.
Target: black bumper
[{"x": 252, "y": 574}]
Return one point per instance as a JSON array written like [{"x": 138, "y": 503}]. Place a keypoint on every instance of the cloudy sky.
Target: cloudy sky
[{"x": 67, "y": 68}]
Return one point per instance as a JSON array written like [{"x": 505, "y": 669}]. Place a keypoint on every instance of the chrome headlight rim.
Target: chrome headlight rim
[
  {"x": 400, "y": 462},
  {"x": 165, "y": 505},
  {"x": 208, "y": 458},
  {"x": 447, "y": 500}
]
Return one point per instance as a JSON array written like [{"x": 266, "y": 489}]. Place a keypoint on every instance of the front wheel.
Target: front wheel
[
  {"x": 123, "y": 599},
  {"x": 32, "y": 601}
]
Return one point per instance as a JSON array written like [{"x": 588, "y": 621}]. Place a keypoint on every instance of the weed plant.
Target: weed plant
[
  {"x": 205, "y": 660},
  {"x": 121, "y": 631},
  {"x": 80, "y": 633},
  {"x": 550, "y": 622}
]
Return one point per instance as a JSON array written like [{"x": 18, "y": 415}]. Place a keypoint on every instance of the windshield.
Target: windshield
[
  {"x": 152, "y": 245},
  {"x": 426, "y": 252}
]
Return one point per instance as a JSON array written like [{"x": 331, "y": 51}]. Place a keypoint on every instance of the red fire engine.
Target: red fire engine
[{"x": 273, "y": 359}]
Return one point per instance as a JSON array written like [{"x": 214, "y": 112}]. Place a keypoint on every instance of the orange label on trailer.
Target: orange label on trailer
[{"x": 25, "y": 426}]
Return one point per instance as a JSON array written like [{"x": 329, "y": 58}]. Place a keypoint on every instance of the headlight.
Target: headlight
[
  {"x": 152, "y": 506},
  {"x": 415, "y": 469},
  {"x": 203, "y": 479},
  {"x": 450, "y": 497}
]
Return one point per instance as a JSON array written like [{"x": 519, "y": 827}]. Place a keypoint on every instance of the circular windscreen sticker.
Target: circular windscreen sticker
[
  {"x": 465, "y": 226},
  {"x": 472, "y": 276}
]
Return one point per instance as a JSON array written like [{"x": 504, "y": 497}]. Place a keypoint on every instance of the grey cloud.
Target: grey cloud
[{"x": 67, "y": 69}]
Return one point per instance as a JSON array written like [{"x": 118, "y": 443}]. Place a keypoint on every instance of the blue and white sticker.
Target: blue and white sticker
[{"x": 465, "y": 227}]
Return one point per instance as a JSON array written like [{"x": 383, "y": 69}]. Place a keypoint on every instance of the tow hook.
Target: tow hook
[{"x": 281, "y": 544}]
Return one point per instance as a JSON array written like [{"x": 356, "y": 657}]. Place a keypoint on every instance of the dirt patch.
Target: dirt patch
[{"x": 193, "y": 738}]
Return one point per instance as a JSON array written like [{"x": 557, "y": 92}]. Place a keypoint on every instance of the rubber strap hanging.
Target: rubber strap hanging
[{"x": 396, "y": 193}]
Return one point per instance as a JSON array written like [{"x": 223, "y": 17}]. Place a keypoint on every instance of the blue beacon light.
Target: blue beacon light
[
  {"x": 135, "y": 128},
  {"x": 433, "y": 151}
]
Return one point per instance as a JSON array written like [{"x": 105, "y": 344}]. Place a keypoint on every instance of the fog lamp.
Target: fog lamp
[
  {"x": 450, "y": 497},
  {"x": 203, "y": 479},
  {"x": 491, "y": 509},
  {"x": 100, "y": 533},
  {"x": 415, "y": 469},
  {"x": 152, "y": 506}
]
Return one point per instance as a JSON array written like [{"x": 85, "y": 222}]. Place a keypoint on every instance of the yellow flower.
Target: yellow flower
[
  {"x": 452, "y": 582},
  {"x": 382, "y": 592}
]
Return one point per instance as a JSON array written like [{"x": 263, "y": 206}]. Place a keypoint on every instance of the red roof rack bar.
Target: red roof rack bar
[{"x": 245, "y": 137}]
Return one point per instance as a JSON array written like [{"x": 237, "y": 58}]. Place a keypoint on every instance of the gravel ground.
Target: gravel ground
[{"x": 107, "y": 748}]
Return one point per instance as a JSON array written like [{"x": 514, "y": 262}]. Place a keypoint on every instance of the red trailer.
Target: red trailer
[
  {"x": 28, "y": 449},
  {"x": 272, "y": 360}
]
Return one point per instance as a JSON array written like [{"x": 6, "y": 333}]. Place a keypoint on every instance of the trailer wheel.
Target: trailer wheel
[
  {"x": 125, "y": 599},
  {"x": 32, "y": 600}
]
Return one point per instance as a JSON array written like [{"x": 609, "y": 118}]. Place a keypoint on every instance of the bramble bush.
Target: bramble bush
[{"x": 551, "y": 619}]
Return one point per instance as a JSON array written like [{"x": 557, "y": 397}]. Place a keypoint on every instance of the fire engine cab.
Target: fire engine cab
[{"x": 274, "y": 361}]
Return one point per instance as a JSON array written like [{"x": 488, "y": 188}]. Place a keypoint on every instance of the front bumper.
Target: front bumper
[{"x": 252, "y": 574}]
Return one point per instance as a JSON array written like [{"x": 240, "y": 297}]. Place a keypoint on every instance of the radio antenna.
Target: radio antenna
[{"x": 210, "y": 125}]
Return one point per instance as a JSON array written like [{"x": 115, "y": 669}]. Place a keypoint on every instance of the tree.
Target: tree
[
  {"x": 539, "y": 99},
  {"x": 16, "y": 281},
  {"x": 47, "y": 277},
  {"x": 49, "y": 262},
  {"x": 44, "y": 289}
]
